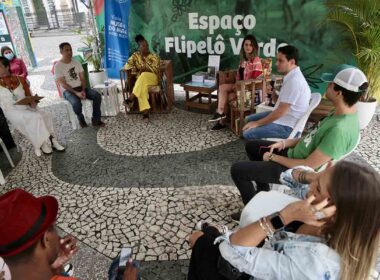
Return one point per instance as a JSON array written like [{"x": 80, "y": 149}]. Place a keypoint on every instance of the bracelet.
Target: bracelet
[
  {"x": 271, "y": 157},
  {"x": 264, "y": 226},
  {"x": 269, "y": 232}
]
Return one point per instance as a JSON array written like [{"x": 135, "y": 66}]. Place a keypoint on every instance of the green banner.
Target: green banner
[{"x": 187, "y": 31}]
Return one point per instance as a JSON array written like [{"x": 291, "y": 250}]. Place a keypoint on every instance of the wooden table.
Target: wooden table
[{"x": 196, "y": 100}]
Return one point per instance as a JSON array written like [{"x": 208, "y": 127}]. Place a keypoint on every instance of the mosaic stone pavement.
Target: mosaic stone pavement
[
  {"x": 177, "y": 132},
  {"x": 136, "y": 184}
]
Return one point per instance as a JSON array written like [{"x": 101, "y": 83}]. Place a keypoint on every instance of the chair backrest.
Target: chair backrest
[
  {"x": 300, "y": 125},
  {"x": 56, "y": 83}
]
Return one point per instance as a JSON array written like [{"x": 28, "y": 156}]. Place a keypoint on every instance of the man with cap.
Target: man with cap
[
  {"x": 29, "y": 242},
  {"x": 332, "y": 138}
]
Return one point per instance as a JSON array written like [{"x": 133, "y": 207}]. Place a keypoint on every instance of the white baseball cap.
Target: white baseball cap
[{"x": 346, "y": 76}]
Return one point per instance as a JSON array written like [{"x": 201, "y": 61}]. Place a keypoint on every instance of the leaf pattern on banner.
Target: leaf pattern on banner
[{"x": 179, "y": 8}]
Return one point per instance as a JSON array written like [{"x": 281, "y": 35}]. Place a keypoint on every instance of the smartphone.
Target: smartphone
[
  {"x": 125, "y": 255},
  {"x": 263, "y": 150}
]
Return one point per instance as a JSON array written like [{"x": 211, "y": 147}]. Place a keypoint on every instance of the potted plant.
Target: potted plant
[
  {"x": 93, "y": 54},
  {"x": 361, "y": 19}
]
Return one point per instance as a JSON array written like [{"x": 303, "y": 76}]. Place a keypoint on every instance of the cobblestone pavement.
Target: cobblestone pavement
[{"x": 134, "y": 184}]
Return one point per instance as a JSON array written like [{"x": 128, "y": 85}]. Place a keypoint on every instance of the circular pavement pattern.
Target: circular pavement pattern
[{"x": 177, "y": 132}]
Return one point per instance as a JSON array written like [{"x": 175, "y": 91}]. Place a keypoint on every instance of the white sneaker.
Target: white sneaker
[
  {"x": 38, "y": 152},
  {"x": 57, "y": 146},
  {"x": 46, "y": 148}
]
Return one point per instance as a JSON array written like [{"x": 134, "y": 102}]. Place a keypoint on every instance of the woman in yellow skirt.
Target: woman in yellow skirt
[{"x": 145, "y": 65}]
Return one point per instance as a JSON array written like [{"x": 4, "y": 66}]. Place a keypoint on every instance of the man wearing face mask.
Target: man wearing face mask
[{"x": 17, "y": 66}]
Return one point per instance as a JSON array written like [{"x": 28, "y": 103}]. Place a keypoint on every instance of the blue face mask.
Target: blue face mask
[{"x": 9, "y": 56}]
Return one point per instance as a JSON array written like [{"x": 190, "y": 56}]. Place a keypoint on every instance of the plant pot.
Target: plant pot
[
  {"x": 365, "y": 112},
  {"x": 97, "y": 78}
]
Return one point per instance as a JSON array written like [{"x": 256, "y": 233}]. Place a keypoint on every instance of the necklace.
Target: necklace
[{"x": 11, "y": 84}]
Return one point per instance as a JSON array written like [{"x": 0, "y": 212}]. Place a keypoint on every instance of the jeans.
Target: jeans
[
  {"x": 261, "y": 172},
  {"x": 75, "y": 101},
  {"x": 271, "y": 130}
]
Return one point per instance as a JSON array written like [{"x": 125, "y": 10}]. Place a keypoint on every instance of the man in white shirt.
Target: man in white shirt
[
  {"x": 70, "y": 75},
  {"x": 291, "y": 105}
]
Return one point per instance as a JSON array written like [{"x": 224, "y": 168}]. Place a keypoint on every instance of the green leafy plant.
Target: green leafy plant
[
  {"x": 361, "y": 19},
  {"x": 95, "y": 47}
]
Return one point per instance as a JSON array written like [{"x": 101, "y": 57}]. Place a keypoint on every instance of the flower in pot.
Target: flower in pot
[{"x": 361, "y": 20}]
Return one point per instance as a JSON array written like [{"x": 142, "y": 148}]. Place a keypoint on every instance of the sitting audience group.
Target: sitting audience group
[{"x": 329, "y": 227}]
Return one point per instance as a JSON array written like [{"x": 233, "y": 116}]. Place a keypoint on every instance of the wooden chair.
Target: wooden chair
[
  {"x": 161, "y": 97},
  {"x": 243, "y": 107}
]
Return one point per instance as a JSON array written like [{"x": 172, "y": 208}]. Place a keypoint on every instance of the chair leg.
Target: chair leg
[
  {"x": 72, "y": 117},
  {"x": 153, "y": 98},
  {"x": 7, "y": 153},
  {"x": 2, "y": 180}
]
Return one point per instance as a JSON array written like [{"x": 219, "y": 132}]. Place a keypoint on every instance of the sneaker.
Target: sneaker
[
  {"x": 236, "y": 217},
  {"x": 217, "y": 117},
  {"x": 46, "y": 148},
  {"x": 201, "y": 225},
  {"x": 56, "y": 146},
  {"x": 218, "y": 126},
  {"x": 83, "y": 124},
  {"x": 98, "y": 123},
  {"x": 38, "y": 152}
]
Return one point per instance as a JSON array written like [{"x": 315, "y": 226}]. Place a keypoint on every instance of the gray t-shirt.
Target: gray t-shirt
[{"x": 70, "y": 71}]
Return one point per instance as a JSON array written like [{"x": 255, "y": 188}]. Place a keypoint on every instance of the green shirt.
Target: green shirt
[{"x": 335, "y": 136}]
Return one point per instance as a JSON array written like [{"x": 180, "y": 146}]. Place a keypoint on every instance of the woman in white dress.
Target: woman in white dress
[{"x": 37, "y": 126}]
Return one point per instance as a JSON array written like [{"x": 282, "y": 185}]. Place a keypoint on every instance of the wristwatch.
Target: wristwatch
[{"x": 276, "y": 221}]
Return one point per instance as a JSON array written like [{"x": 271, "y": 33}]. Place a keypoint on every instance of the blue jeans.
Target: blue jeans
[
  {"x": 75, "y": 101},
  {"x": 270, "y": 130}
]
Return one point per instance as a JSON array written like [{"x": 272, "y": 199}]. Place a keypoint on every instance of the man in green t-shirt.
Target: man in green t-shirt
[{"x": 331, "y": 139}]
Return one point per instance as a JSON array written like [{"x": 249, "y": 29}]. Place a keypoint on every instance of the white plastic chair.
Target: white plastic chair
[
  {"x": 73, "y": 117},
  {"x": 315, "y": 99},
  {"x": 283, "y": 188},
  {"x": 2, "y": 179}
]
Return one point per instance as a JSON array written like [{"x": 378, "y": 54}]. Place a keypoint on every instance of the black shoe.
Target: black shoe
[
  {"x": 217, "y": 117},
  {"x": 98, "y": 123},
  {"x": 218, "y": 126},
  {"x": 128, "y": 102},
  {"x": 236, "y": 217},
  {"x": 83, "y": 124}
]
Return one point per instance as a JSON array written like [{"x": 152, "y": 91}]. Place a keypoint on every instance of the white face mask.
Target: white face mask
[{"x": 9, "y": 56}]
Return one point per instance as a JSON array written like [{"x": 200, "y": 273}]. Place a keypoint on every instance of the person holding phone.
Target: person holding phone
[
  {"x": 335, "y": 238},
  {"x": 29, "y": 241},
  {"x": 36, "y": 125},
  {"x": 330, "y": 139}
]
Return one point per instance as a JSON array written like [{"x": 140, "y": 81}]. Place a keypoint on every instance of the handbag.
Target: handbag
[{"x": 229, "y": 271}]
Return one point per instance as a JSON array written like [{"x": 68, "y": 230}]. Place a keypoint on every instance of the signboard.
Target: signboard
[
  {"x": 188, "y": 31},
  {"x": 116, "y": 35}
]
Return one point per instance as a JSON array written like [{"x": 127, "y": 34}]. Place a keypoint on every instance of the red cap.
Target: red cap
[{"x": 23, "y": 220}]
